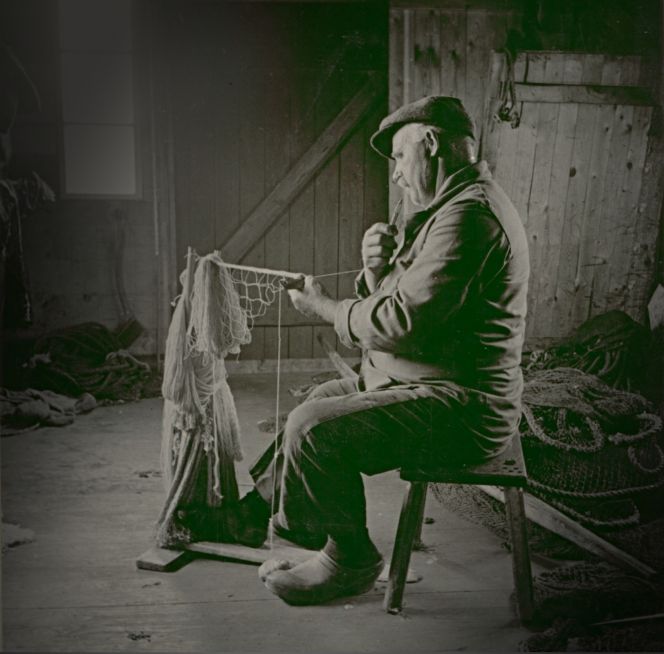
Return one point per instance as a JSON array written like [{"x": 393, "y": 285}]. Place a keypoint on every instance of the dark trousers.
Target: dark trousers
[{"x": 338, "y": 433}]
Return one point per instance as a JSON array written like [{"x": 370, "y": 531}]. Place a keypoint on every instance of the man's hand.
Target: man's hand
[
  {"x": 378, "y": 245},
  {"x": 313, "y": 300}
]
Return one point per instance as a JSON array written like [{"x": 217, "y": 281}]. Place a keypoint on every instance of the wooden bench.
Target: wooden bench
[{"x": 507, "y": 471}]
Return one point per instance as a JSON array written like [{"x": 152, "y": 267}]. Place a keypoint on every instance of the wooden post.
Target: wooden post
[
  {"x": 417, "y": 541},
  {"x": 523, "y": 579},
  {"x": 411, "y": 511}
]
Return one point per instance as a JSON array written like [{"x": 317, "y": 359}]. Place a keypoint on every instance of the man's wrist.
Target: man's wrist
[
  {"x": 326, "y": 308},
  {"x": 371, "y": 278}
]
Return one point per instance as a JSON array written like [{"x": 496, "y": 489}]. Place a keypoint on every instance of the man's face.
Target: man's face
[{"x": 413, "y": 164}]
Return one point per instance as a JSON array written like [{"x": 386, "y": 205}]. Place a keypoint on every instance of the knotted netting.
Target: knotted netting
[
  {"x": 200, "y": 429},
  {"x": 595, "y": 453},
  {"x": 573, "y": 597},
  {"x": 591, "y": 450}
]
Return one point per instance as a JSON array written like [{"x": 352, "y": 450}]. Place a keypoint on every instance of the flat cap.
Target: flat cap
[{"x": 439, "y": 110}]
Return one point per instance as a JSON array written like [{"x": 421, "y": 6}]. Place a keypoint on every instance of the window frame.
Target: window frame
[{"x": 132, "y": 53}]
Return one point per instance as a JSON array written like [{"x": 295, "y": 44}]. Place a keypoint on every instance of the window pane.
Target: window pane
[
  {"x": 95, "y": 25},
  {"x": 97, "y": 88},
  {"x": 99, "y": 160}
]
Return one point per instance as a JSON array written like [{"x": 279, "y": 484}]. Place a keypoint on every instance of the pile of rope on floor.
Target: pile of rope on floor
[
  {"x": 22, "y": 411},
  {"x": 72, "y": 371},
  {"x": 615, "y": 348},
  {"x": 592, "y": 451},
  {"x": 89, "y": 358},
  {"x": 577, "y": 600},
  {"x": 595, "y": 451}
]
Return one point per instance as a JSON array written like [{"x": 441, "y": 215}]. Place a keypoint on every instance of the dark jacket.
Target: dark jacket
[{"x": 451, "y": 306}]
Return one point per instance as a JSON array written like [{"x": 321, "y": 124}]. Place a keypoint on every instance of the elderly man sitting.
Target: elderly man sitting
[{"x": 439, "y": 316}]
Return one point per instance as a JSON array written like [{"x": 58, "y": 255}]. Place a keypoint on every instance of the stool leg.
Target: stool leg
[
  {"x": 409, "y": 524},
  {"x": 417, "y": 541},
  {"x": 523, "y": 580}
]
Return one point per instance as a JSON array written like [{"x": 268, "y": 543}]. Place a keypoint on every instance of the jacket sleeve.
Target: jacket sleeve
[
  {"x": 361, "y": 288},
  {"x": 460, "y": 247}
]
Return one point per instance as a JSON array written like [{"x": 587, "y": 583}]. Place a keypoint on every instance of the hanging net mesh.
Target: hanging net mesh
[
  {"x": 256, "y": 291},
  {"x": 200, "y": 434}
]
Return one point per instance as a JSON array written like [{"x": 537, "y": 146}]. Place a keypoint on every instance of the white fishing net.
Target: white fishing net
[{"x": 213, "y": 318}]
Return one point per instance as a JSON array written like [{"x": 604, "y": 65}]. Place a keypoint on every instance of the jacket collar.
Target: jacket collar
[
  {"x": 451, "y": 187},
  {"x": 459, "y": 182}
]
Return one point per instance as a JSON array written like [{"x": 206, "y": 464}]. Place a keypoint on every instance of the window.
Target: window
[{"x": 97, "y": 87}]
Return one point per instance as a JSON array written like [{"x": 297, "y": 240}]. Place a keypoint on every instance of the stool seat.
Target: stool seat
[{"x": 506, "y": 469}]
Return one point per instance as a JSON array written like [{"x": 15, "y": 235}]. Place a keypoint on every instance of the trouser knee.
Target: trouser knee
[{"x": 297, "y": 430}]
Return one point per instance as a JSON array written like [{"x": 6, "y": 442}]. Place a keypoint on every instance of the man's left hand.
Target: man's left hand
[{"x": 313, "y": 300}]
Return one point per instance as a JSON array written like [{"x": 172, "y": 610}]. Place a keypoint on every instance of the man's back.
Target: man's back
[{"x": 452, "y": 306}]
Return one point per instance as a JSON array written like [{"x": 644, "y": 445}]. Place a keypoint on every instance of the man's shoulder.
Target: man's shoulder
[
  {"x": 470, "y": 210},
  {"x": 479, "y": 215}
]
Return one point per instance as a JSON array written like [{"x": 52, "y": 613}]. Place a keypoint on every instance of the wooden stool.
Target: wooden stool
[{"x": 507, "y": 470}]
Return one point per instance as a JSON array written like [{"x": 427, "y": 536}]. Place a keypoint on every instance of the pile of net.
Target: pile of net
[
  {"x": 590, "y": 449},
  {"x": 614, "y": 347},
  {"x": 593, "y": 452},
  {"x": 87, "y": 358},
  {"x": 201, "y": 434},
  {"x": 22, "y": 411},
  {"x": 573, "y": 599}
]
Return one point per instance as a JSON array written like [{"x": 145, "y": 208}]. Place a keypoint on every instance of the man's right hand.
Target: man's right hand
[{"x": 378, "y": 245}]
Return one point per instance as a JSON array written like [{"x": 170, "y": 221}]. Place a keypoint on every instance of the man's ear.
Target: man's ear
[{"x": 432, "y": 142}]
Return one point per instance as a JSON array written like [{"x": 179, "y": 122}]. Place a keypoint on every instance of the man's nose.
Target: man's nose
[{"x": 396, "y": 175}]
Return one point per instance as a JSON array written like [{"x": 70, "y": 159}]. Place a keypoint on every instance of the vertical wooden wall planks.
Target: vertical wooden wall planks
[
  {"x": 478, "y": 36},
  {"x": 326, "y": 191},
  {"x": 586, "y": 221},
  {"x": 643, "y": 268},
  {"x": 252, "y": 182},
  {"x": 541, "y": 68},
  {"x": 443, "y": 51},
  {"x": 606, "y": 229},
  {"x": 446, "y": 71},
  {"x": 599, "y": 161},
  {"x": 351, "y": 206},
  {"x": 326, "y": 241},
  {"x": 526, "y": 145},
  {"x": 572, "y": 230},
  {"x": 567, "y": 69},
  {"x": 226, "y": 175},
  {"x": 396, "y": 65},
  {"x": 456, "y": 36},
  {"x": 277, "y": 163},
  {"x": 301, "y": 234},
  {"x": 242, "y": 121}
]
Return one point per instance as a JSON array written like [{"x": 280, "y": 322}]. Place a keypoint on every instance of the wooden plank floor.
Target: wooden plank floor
[{"x": 91, "y": 492}]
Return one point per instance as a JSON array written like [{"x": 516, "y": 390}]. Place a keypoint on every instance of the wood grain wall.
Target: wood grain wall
[
  {"x": 585, "y": 174},
  {"x": 585, "y": 177},
  {"x": 250, "y": 86},
  {"x": 69, "y": 246},
  {"x": 446, "y": 51}
]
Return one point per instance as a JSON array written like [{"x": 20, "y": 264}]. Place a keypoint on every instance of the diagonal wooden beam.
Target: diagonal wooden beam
[
  {"x": 546, "y": 516},
  {"x": 325, "y": 146}
]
